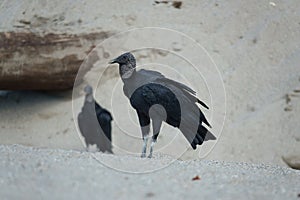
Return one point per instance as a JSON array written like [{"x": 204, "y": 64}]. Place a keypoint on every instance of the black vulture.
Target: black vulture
[
  {"x": 95, "y": 123},
  {"x": 157, "y": 98}
]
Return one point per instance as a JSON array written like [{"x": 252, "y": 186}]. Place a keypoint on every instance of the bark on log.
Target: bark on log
[{"x": 29, "y": 61}]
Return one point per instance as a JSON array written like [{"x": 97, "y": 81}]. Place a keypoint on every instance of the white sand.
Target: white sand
[{"x": 31, "y": 173}]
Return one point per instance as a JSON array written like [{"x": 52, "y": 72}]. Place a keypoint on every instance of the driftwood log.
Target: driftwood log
[{"x": 30, "y": 61}]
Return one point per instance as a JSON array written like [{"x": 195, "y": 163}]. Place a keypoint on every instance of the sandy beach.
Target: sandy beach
[{"x": 249, "y": 75}]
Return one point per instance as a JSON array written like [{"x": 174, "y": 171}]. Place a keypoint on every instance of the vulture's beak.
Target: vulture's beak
[{"x": 113, "y": 61}]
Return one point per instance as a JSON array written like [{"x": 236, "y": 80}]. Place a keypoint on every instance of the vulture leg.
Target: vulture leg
[
  {"x": 156, "y": 124},
  {"x": 145, "y": 134},
  {"x": 145, "y": 126}
]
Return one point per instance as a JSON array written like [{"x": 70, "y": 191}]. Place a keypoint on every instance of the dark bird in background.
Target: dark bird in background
[
  {"x": 158, "y": 98},
  {"x": 95, "y": 123}
]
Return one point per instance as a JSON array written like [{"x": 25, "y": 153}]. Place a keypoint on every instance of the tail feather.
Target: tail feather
[
  {"x": 203, "y": 119},
  {"x": 209, "y": 136},
  {"x": 202, "y": 104},
  {"x": 202, "y": 135}
]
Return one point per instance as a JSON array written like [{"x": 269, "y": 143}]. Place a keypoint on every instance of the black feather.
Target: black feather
[
  {"x": 146, "y": 89},
  {"x": 95, "y": 126}
]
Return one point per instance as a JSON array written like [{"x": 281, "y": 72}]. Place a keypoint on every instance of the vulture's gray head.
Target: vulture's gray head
[
  {"x": 88, "y": 89},
  {"x": 126, "y": 63},
  {"x": 124, "y": 59},
  {"x": 88, "y": 93}
]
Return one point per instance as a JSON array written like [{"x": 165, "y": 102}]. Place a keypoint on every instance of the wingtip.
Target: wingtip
[
  {"x": 209, "y": 136},
  {"x": 194, "y": 146},
  {"x": 202, "y": 104}
]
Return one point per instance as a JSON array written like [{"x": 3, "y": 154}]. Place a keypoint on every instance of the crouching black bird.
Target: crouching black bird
[
  {"x": 95, "y": 123},
  {"x": 158, "y": 98}
]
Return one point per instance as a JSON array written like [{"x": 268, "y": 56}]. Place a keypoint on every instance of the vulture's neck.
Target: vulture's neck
[
  {"x": 127, "y": 72},
  {"x": 89, "y": 98}
]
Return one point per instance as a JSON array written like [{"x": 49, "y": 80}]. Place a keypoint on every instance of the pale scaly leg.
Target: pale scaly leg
[
  {"x": 145, "y": 133},
  {"x": 153, "y": 142},
  {"x": 156, "y": 128}
]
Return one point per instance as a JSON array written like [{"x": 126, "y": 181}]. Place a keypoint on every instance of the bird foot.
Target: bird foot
[
  {"x": 150, "y": 155},
  {"x": 143, "y": 155}
]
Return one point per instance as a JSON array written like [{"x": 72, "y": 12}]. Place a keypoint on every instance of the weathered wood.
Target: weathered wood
[{"x": 30, "y": 61}]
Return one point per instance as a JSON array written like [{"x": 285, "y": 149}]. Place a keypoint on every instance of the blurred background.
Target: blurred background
[{"x": 255, "y": 47}]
